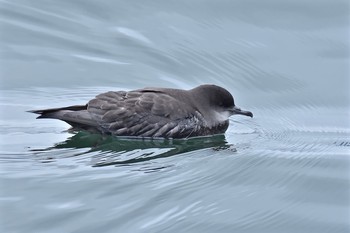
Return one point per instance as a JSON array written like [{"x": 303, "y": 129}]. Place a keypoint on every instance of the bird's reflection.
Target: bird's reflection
[{"x": 109, "y": 150}]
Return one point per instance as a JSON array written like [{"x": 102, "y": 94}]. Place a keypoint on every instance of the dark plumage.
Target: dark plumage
[{"x": 153, "y": 112}]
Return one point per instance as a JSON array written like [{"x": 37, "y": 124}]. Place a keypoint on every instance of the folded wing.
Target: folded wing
[{"x": 148, "y": 113}]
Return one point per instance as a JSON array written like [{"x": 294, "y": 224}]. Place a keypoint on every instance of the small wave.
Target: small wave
[{"x": 99, "y": 59}]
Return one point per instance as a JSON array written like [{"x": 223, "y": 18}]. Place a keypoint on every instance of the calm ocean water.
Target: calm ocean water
[{"x": 285, "y": 170}]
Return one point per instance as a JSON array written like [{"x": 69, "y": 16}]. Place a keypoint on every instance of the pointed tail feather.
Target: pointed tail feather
[
  {"x": 47, "y": 113},
  {"x": 77, "y": 116}
]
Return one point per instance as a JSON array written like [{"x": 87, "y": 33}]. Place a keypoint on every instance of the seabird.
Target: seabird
[{"x": 153, "y": 112}]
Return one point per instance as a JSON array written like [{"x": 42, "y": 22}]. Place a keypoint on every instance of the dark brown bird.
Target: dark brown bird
[{"x": 153, "y": 112}]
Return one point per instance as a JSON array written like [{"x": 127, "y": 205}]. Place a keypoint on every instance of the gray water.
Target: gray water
[{"x": 285, "y": 170}]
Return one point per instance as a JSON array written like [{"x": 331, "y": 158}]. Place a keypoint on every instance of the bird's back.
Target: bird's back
[{"x": 144, "y": 113}]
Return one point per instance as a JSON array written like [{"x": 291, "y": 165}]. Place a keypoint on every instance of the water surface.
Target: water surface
[{"x": 285, "y": 170}]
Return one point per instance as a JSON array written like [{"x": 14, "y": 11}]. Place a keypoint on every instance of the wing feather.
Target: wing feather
[{"x": 138, "y": 113}]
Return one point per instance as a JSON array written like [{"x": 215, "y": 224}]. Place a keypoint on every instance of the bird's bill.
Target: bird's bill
[{"x": 237, "y": 111}]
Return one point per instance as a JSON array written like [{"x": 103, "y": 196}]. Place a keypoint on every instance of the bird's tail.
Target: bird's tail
[
  {"x": 52, "y": 112},
  {"x": 77, "y": 116}
]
